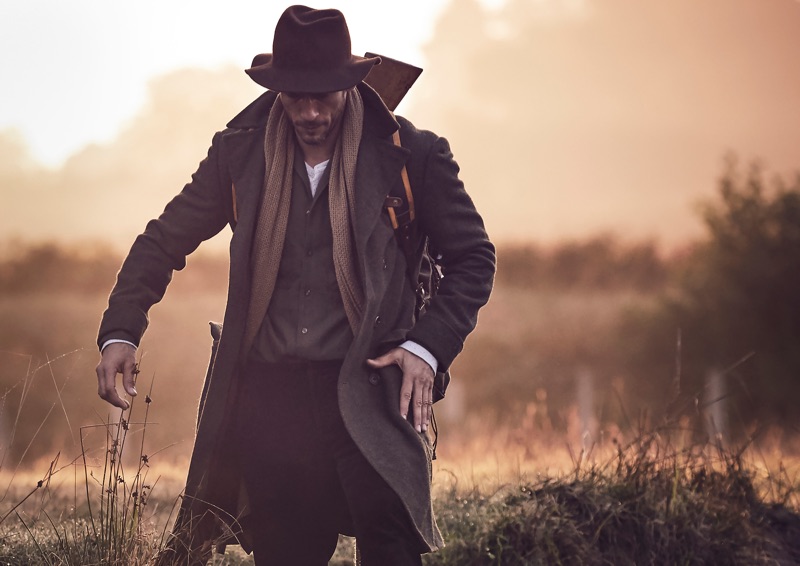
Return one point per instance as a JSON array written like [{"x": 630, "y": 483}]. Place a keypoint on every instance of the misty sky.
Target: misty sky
[
  {"x": 74, "y": 72},
  {"x": 568, "y": 117}
]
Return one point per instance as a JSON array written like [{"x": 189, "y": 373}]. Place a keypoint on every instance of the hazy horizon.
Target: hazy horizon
[{"x": 568, "y": 119}]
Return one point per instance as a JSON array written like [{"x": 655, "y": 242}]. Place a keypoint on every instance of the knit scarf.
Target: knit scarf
[{"x": 273, "y": 214}]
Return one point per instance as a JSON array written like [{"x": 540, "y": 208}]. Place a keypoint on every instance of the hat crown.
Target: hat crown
[
  {"x": 311, "y": 39},
  {"x": 310, "y": 53}
]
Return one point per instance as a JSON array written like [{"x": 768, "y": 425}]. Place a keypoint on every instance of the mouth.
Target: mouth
[{"x": 309, "y": 126}]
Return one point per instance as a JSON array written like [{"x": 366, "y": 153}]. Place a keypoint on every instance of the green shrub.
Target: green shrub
[{"x": 736, "y": 304}]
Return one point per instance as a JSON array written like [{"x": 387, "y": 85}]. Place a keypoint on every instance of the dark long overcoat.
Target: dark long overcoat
[{"x": 369, "y": 400}]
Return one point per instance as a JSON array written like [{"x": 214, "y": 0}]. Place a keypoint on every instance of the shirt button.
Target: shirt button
[
  {"x": 304, "y": 330},
  {"x": 308, "y": 292},
  {"x": 374, "y": 378},
  {"x": 378, "y": 320},
  {"x": 308, "y": 211}
]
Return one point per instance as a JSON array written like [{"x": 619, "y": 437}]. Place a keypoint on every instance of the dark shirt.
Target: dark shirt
[{"x": 306, "y": 317}]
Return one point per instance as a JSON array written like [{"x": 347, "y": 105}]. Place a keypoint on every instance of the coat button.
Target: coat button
[
  {"x": 374, "y": 378},
  {"x": 378, "y": 320},
  {"x": 385, "y": 263}
]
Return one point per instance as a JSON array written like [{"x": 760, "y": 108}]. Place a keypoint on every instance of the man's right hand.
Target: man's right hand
[{"x": 117, "y": 357}]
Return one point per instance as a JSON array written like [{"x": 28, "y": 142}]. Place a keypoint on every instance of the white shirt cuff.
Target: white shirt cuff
[
  {"x": 421, "y": 352},
  {"x": 115, "y": 341}
]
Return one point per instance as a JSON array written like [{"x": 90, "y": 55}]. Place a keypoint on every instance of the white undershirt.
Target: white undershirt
[{"x": 315, "y": 174}]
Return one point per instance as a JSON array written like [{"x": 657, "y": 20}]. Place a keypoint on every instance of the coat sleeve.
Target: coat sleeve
[
  {"x": 447, "y": 215},
  {"x": 196, "y": 214}
]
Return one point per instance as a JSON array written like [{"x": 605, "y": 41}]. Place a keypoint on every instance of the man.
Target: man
[{"x": 314, "y": 415}]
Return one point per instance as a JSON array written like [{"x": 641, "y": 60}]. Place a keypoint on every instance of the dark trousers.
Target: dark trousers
[{"x": 306, "y": 479}]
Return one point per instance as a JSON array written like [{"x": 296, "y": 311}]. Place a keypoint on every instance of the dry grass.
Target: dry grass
[
  {"x": 651, "y": 504},
  {"x": 650, "y": 500}
]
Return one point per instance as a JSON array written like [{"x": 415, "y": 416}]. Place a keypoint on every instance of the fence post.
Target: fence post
[
  {"x": 584, "y": 385},
  {"x": 716, "y": 405}
]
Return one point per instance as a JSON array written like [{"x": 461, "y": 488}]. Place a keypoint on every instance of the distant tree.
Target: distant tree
[
  {"x": 49, "y": 266},
  {"x": 600, "y": 262},
  {"x": 737, "y": 302}
]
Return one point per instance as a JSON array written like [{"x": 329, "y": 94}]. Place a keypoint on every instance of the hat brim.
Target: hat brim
[{"x": 264, "y": 72}]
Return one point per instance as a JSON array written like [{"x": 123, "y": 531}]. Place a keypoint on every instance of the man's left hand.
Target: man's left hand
[{"x": 416, "y": 392}]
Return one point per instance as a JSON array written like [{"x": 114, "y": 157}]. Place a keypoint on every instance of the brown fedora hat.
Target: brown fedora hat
[{"x": 310, "y": 53}]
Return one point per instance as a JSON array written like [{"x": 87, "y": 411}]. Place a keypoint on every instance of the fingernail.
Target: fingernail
[{"x": 419, "y": 428}]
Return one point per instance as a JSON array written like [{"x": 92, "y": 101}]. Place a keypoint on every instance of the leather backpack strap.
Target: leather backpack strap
[
  {"x": 402, "y": 215},
  {"x": 410, "y": 214}
]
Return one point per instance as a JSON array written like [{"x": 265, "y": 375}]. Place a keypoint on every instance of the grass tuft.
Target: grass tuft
[
  {"x": 649, "y": 504},
  {"x": 112, "y": 527}
]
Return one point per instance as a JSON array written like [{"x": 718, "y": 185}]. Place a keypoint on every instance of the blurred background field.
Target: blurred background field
[
  {"x": 583, "y": 342},
  {"x": 537, "y": 343}
]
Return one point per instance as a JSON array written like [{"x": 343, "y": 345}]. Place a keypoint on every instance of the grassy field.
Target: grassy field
[
  {"x": 651, "y": 500},
  {"x": 547, "y": 455}
]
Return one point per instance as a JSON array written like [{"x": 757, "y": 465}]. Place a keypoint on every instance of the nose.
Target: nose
[{"x": 309, "y": 109}]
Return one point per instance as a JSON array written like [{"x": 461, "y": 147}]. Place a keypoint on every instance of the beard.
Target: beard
[
  {"x": 318, "y": 132},
  {"x": 312, "y": 134}
]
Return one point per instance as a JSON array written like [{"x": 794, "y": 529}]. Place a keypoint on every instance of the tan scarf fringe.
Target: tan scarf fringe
[{"x": 273, "y": 214}]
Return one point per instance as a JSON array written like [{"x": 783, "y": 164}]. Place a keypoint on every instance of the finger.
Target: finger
[
  {"x": 106, "y": 378},
  {"x": 129, "y": 373},
  {"x": 427, "y": 405},
  {"x": 387, "y": 359},
  {"x": 428, "y": 413},
  {"x": 406, "y": 391},
  {"x": 425, "y": 415},
  {"x": 418, "y": 400}
]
